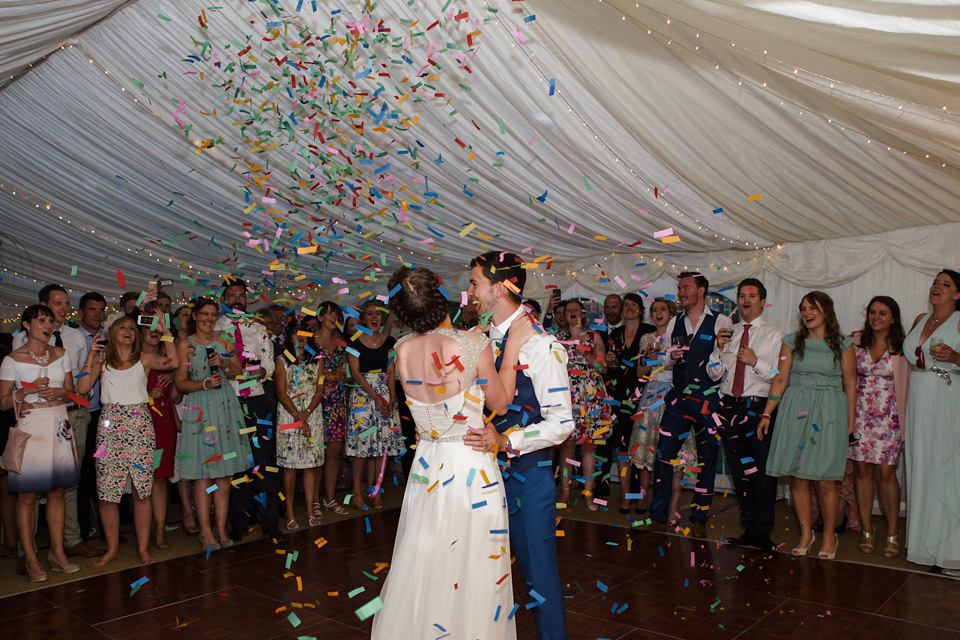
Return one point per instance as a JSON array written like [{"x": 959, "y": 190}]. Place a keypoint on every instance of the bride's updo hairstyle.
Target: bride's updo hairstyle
[{"x": 418, "y": 302}]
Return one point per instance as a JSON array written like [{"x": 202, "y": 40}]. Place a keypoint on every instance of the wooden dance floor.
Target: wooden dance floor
[{"x": 619, "y": 583}]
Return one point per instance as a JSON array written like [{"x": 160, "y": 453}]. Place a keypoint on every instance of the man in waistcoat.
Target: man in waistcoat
[
  {"x": 690, "y": 404},
  {"x": 538, "y": 418}
]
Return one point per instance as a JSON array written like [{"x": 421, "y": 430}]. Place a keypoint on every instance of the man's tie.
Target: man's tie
[
  {"x": 57, "y": 340},
  {"x": 741, "y": 369}
]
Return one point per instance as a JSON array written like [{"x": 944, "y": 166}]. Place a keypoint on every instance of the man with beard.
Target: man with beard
[{"x": 262, "y": 483}]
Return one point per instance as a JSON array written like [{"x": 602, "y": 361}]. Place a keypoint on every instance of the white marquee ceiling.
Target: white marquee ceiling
[{"x": 147, "y": 143}]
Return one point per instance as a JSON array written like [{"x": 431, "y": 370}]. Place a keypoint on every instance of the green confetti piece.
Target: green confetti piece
[
  {"x": 73, "y": 271},
  {"x": 293, "y": 619},
  {"x": 356, "y": 592},
  {"x": 587, "y": 183},
  {"x": 157, "y": 455},
  {"x": 376, "y": 604},
  {"x": 163, "y": 17},
  {"x": 370, "y": 575},
  {"x": 500, "y": 122}
]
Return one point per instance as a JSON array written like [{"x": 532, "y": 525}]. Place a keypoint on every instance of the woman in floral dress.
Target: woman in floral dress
[
  {"x": 299, "y": 391},
  {"x": 585, "y": 362},
  {"x": 373, "y": 424},
  {"x": 882, "y": 377},
  {"x": 332, "y": 349}
]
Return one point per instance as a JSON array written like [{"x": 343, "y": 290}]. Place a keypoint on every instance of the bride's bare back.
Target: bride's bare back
[{"x": 438, "y": 365}]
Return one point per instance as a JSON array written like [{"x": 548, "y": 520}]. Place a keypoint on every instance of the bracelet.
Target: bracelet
[
  {"x": 765, "y": 416},
  {"x": 204, "y": 383},
  {"x": 774, "y": 398}
]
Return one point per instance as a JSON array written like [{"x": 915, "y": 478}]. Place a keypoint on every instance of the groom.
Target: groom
[{"x": 541, "y": 417}]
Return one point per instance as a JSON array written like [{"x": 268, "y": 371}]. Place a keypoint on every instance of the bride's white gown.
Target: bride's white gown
[{"x": 450, "y": 572}]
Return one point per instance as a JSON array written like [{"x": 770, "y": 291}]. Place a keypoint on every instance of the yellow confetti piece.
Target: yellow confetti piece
[
  {"x": 670, "y": 239},
  {"x": 333, "y": 594},
  {"x": 467, "y": 229},
  {"x": 754, "y": 197}
]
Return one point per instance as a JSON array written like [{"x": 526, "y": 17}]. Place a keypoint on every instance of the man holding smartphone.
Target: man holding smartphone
[{"x": 745, "y": 361}]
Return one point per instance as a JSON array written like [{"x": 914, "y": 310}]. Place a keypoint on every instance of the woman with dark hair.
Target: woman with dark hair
[
  {"x": 882, "y": 377},
  {"x": 816, "y": 416},
  {"x": 455, "y": 498},
  {"x": 180, "y": 319},
  {"x": 931, "y": 430},
  {"x": 299, "y": 391},
  {"x": 332, "y": 350},
  {"x": 125, "y": 436},
  {"x": 623, "y": 357},
  {"x": 213, "y": 449},
  {"x": 373, "y": 425},
  {"x": 35, "y": 380},
  {"x": 163, "y": 412},
  {"x": 588, "y": 395}
]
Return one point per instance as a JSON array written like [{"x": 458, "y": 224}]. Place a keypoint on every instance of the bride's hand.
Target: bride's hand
[
  {"x": 487, "y": 439},
  {"x": 521, "y": 330}
]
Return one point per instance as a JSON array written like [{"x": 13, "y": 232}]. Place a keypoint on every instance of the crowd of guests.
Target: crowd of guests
[
  {"x": 829, "y": 411},
  {"x": 234, "y": 406}
]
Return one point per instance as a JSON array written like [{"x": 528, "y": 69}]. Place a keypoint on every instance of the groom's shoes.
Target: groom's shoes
[{"x": 652, "y": 526}]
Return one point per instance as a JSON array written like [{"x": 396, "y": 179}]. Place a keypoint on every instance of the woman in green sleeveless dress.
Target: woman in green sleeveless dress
[
  {"x": 815, "y": 418},
  {"x": 212, "y": 448}
]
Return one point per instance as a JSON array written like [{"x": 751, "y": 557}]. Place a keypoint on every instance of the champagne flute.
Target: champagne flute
[{"x": 44, "y": 373}]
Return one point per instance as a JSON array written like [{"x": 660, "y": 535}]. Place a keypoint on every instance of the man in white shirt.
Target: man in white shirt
[
  {"x": 613, "y": 311},
  {"x": 690, "y": 404},
  {"x": 746, "y": 362},
  {"x": 539, "y": 417},
  {"x": 260, "y": 413},
  {"x": 57, "y": 299},
  {"x": 92, "y": 313}
]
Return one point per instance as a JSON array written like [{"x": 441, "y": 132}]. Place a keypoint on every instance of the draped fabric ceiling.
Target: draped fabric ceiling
[{"x": 313, "y": 146}]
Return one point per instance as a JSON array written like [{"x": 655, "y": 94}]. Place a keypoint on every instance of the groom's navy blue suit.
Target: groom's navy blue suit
[{"x": 531, "y": 503}]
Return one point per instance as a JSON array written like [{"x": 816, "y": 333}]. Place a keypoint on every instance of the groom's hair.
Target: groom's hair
[{"x": 501, "y": 266}]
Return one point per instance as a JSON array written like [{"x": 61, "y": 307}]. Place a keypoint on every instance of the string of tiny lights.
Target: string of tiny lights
[
  {"x": 802, "y": 109},
  {"x": 796, "y": 68},
  {"x": 701, "y": 224}
]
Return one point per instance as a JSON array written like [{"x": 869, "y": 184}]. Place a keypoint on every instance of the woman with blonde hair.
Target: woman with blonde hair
[{"x": 125, "y": 438}]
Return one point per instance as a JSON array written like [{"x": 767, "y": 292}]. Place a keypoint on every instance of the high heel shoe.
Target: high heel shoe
[
  {"x": 213, "y": 547},
  {"x": 867, "y": 544},
  {"x": 59, "y": 567},
  {"x": 37, "y": 577},
  {"x": 892, "y": 550},
  {"x": 802, "y": 551},
  {"x": 823, "y": 555},
  {"x": 334, "y": 506}
]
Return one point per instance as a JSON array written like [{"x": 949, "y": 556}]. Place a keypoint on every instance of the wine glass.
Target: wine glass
[
  {"x": 44, "y": 373},
  {"x": 101, "y": 355}
]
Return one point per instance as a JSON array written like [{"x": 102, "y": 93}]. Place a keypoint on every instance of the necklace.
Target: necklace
[
  {"x": 44, "y": 359},
  {"x": 937, "y": 321}
]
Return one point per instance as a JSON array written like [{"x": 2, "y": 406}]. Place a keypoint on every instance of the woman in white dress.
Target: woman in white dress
[{"x": 450, "y": 572}]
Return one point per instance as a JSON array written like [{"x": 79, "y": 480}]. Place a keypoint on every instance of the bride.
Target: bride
[{"x": 450, "y": 572}]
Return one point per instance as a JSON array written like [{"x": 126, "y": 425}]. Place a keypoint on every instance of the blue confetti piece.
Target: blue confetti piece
[
  {"x": 367, "y": 520},
  {"x": 718, "y": 210},
  {"x": 530, "y": 18},
  {"x": 553, "y": 86}
]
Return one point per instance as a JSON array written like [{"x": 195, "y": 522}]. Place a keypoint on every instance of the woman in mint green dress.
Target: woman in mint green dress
[
  {"x": 212, "y": 448},
  {"x": 932, "y": 430},
  {"x": 816, "y": 416}
]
